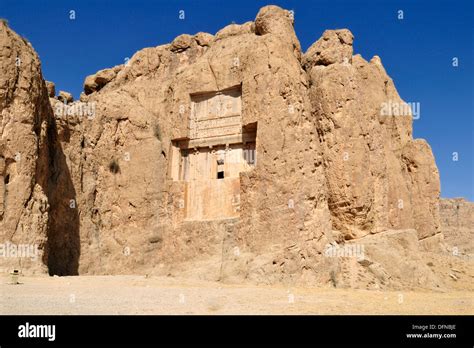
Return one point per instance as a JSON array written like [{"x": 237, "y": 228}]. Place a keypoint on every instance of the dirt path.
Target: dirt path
[{"x": 162, "y": 295}]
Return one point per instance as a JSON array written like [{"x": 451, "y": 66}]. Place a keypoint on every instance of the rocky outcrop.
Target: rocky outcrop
[
  {"x": 278, "y": 22},
  {"x": 335, "y": 46},
  {"x": 203, "y": 39},
  {"x": 457, "y": 224},
  {"x": 33, "y": 175},
  {"x": 51, "y": 87},
  {"x": 95, "y": 82},
  {"x": 378, "y": 177},
  {"x": 150, "y": 91},
  {"x": 24, "y": 148},
  {"x": 332, "y": 171},
  {"x": 65, "y": 97}
]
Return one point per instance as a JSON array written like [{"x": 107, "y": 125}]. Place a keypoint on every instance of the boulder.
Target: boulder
[
  {"x": 181, "y": 43},
  {"x": 279, "y": 22},
  {"x": 203, "y": 39},
  {"x": 51, "y": 89},
  {"x": 335, "y": 46},
  {"x": 65, "y": 97},
  {"x": 94, "y": 83}
]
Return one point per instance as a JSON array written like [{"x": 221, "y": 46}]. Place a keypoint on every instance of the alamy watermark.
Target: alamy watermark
[
  {"x": 394, "y": 108},
  {"x": 248, "y": 155},
  {"x": 11, "y": 250},
  {"x": 76, "y": 109},
  {"x": 347, "y": 250}
]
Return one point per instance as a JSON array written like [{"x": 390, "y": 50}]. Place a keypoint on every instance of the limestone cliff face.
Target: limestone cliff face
[
  {"x": 23, "y": 144},
  {"x": 132, "y": 217},
  {"x": 378, "y": 177},
  {"x": 457, "y": 224},
  {"x": 150, "y": 170},
  {"x": 32, "y": 173}
]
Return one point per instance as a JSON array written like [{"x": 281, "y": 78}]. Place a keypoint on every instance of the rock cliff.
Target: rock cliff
[{"x": 149, "y": 172}]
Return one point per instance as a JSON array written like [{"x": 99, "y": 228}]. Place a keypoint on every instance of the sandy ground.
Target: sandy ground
[{"x": 166, "y": 295}]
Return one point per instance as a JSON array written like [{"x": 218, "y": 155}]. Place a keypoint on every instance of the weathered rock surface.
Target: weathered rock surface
[
  {"x": 457, "y": 224},
  {"x": 378, "y": 177},
  {"x": 331, "y": 171},
  {"x": 65, "y": 97},
  {"x": 95, "y": 82},
  {"x": 51, "y": 87},
  {"x": 335, "y": 46},
  {"x": 33, "y": 175},
  {"x": 23, "y": 145},
  {"x": 203, "y": 39}
]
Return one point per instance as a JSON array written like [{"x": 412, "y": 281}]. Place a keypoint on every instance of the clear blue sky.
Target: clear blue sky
[{"x": 417, "y": 51}]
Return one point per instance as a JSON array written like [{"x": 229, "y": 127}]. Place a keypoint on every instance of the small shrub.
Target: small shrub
[{"x": 114, "y": 166}]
